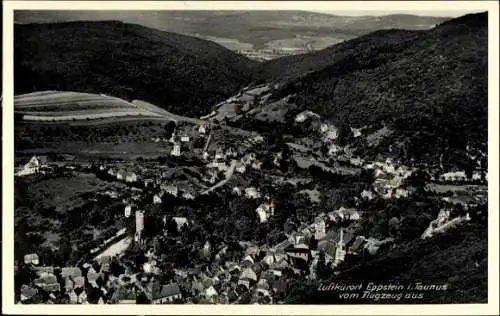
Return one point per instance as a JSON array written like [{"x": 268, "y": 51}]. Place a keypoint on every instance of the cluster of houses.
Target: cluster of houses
[
  {"x": 220, "y": 160},
  {"x": 178, "y": 142},
  {"x": 388, "y": 180},
  {"x": 187, "y": 192},
  {"x": 94, "y": 283},
  {"x": 182, "y": 141},
  {"x": 461, "y": 177},
  {"x": 120, "y": 174},
  {"x": 264, "y": 274}
]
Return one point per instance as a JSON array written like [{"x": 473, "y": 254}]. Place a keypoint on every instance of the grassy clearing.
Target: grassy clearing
[
  {"x": 71, "y": 106},
  {"x": 468, "y": 188},
  {"x": 67, "y": 100},
  {"x": 306, "y": 162},
  {"x": 376, "y": 137}
]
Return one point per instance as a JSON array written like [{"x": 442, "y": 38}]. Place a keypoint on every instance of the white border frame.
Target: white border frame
[{"x": 8, "y": 305}]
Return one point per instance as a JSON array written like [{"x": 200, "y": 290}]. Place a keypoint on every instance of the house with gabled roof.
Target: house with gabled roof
[
  {"x": 130, "y": 176},
  {"x": 300, "y": 251},
  {"x": 120, "y": 174},
  {"x": 103, "y": 260},
  {"x": 203, "y": 128},
  {"x": 367, "y": 194},
  {"x": 124, "y": 296},
  {"x": 156, "y": 199},
  {"x": 211, "y": 293},
  {"x": 197, "y": 287},
  {"x": 48, "y": 283},
  {"x": 176, "y": 150},
  {"x": 82, "y": 297},
  {"x": 319, "y": 228},
  {"x": 171, "y": 189},
  {"x": 245, "y": 283},
  {"x": 32, "y": 167},
  {"x": 71, "y": 272},
  {"x": 219, "y": 154},
  {"x": 344, "y": 214},
  {"x": 69, "y": 284},
  {"x": 73, "y": 297},
  {"x": 40, "y": 271},
  {"x": 149, "y": 182},
  {"x": 181, "y": 222},
  {"x": 249, "y": 275},
  {"x": 252, "y": 193},
  {"x": 166, "y": 293},
  {"x": 279, "y": 287},
  {"x": 79, "y": 282},
  {"x": 128, "y": 210},
  {"x": 264, "y": 211},
  {"x": 31, "y": 259},
  {"x": 240, "y": 167},
  {"x": 27, "y": 292},
  {"x": 112, "y": 172},
  {"x": 188, "y": 193}
]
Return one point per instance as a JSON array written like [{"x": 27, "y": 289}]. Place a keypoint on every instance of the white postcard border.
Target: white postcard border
[{"x": 8, "y": 305}]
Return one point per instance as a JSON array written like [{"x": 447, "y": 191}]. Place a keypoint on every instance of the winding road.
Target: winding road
[{"x": 229, "y": 174}]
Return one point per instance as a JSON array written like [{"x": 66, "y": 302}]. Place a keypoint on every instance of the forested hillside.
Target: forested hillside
[
  {"x": 429, "y": 86},
  {"x": 179, "y": 73}
]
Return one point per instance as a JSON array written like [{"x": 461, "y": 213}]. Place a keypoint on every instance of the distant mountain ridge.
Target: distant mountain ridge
[{"x": 257, "y": 28}]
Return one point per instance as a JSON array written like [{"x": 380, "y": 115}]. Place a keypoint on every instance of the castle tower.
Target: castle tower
[{"x": 139, "y": 225}]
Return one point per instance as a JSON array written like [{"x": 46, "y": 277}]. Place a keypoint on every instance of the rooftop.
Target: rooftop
[{"x": 167, "y": 291}]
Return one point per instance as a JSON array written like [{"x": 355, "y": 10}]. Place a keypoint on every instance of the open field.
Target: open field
[
  {"x": 306, "y": 162},
  {"x": 73, "y": 106},
  {"x": 86, "y": 108},
  {"x": 455, "y": 188},
  {"x": 67, "y": 100},
  {"x": 108, "y": 149},
  {"x": 302, "y": 42}
]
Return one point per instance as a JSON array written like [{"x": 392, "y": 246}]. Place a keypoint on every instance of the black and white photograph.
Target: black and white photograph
[{"x": 255, "y": 157}]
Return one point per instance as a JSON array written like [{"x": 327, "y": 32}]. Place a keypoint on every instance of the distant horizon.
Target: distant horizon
[
  {"x": 423, "y": 13},
  {"x": 430, "y": 13}
]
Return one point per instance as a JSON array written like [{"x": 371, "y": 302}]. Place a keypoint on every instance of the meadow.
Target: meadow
[{"x": 49, "y": 106}]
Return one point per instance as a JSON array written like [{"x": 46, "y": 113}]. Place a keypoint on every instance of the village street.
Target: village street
[{"x": 228, "y": 175}]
